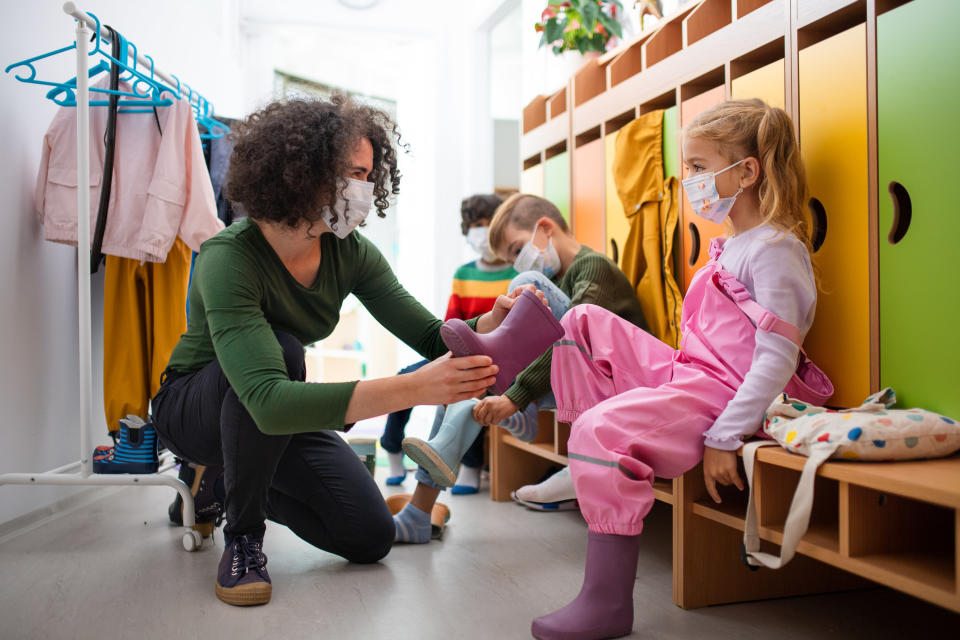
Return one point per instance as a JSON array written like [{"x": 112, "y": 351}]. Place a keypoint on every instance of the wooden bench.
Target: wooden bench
[{"x": 896, "y": 524}]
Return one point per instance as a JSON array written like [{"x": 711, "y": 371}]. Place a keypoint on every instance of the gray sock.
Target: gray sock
[{"x": 523, "y": 424}]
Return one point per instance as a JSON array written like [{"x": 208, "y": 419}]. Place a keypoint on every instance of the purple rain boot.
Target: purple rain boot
[
  {"x": 528, "y": 330},
  {"x": 604, "y": 607}
]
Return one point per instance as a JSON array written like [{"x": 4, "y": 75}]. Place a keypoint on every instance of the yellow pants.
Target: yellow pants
[{"x": 144, "y": 314}]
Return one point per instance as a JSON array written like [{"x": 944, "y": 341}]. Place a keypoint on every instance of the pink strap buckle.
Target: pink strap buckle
[{"x": 733, "y": 287}]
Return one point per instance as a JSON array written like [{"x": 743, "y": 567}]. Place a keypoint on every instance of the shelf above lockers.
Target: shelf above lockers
[
  {"x": 557, "y": 104},
  {"x": 667, "y": 40},
  {"x": 534, "y": 114},
  {"x": 743, "y": 7},
  {"x": 630, "y": 84},
  {"x": 709, "y": 16}
]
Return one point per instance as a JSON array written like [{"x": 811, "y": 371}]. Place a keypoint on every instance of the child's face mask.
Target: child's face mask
[
  {"x": 479, "y": 241},
  {"x": 531, "y": 258},
  {"x": 706, "y": 201},
  {"x": 351, "y": 209}
]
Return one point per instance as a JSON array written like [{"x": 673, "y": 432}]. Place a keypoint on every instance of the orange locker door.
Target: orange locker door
[
  {"x": 617, "y": 227},
  {"x": 696, "y": 232},
  {"x": 588, "y": 194},
  {"x": 765, "y": 83},
  {"x": 833, "y": 141},
  {"x": 531, "y": 180}
]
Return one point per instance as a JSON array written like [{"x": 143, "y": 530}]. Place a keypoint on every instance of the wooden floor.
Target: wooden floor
[{"x": 114, "y": 569}]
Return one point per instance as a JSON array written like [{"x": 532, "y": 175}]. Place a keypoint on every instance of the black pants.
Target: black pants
[{"x": 313, "y": 483}]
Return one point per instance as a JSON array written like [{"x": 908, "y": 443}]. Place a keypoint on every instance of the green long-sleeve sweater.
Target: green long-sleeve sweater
[
  {"x": 241, "y": 293},
  {"x": 592, "y": 278}
]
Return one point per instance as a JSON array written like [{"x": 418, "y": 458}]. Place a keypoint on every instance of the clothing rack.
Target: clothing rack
[{"x": 80, "y": 473}]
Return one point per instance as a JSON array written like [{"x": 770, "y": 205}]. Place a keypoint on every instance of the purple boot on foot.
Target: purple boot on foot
[
  {"x": 528, "y": 330},
  {"x": 604, "y": 607}
]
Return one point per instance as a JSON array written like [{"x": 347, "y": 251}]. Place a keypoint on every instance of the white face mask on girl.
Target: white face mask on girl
[
  {"x": 351, "y": 208},
  {"x": 530, "y": 258},
  {"x": 704, "y": 198},
  {"x": 479, "y": 241}
]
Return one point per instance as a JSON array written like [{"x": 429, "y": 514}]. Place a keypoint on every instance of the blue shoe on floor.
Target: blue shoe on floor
[{"x": 135, "y": 451}]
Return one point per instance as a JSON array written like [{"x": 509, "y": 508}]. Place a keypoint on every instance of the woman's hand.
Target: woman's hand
[
  {"x": 494, "y": 410},
  {"x": 447, "y": 379},
  {"x": 492, "y": 319},
  {"x": 720, "y": 466}
]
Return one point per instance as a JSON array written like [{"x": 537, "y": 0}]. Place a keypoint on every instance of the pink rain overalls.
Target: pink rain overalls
[{"x": 639, "y": 408}]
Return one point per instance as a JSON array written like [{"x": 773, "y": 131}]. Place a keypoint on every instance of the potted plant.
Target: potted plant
[{"x": 579, "y": 25}]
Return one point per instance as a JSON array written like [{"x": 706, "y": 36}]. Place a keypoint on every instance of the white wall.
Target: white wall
[{"x": 38, "y": 341}]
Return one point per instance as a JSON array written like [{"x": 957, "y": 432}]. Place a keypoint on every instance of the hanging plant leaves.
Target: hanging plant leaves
[
  {"x": 553, "y": 30},
  {"x": 589, "y": 12}
]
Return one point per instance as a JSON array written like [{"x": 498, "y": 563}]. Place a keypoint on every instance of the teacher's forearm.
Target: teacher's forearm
[{"x": 372, "y": 398}]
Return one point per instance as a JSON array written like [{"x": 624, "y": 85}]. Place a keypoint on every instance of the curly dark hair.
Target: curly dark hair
[
  {"x": 288, "y": 156},
  {"x": 478, "y": 207}
]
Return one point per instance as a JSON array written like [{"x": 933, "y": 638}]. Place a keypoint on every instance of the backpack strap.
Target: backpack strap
[
  {"x": 798, "y": 517},
  {"x": 763, "y": 319}
]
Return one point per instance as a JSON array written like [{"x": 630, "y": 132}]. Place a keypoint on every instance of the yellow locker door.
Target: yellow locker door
[
  {"x": 617, "y": 225},
  {"x": 531, "y": 180},
  {"x": 696, "y": 232},
  {"x": 833, "y": 141},
  {"x": 765, "y": 83}
]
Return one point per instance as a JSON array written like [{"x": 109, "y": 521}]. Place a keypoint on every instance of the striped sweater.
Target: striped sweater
[{"x": 476, "y": 289}]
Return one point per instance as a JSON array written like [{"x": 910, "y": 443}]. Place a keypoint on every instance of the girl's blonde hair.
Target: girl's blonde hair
[{"x": 742, "y": 128}]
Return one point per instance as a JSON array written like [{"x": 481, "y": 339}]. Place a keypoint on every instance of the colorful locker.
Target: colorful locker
[
  {"x": 917, "y": 94},
  {"x": 617, "y": 227},
  {"x": 696, "y": 232},
  {"x": 765, "y": 83},
  {"x": 531, "y": 180},
  {"x": 556, "y": 182},
  {"x": 833, "y": 143},
  {"x": 588, "y": 212},
  {"x": 671, "y": 143}
]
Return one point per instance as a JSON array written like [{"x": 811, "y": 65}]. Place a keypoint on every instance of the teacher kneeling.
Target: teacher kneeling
[{"x": 306, "y": 173}]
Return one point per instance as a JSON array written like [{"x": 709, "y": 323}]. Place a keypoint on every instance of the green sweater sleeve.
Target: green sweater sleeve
[
  {"x": 250, "y": 355},
  {"x": 589, "y": 280}
]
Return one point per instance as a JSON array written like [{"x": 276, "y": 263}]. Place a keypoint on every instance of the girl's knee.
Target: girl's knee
[
  {"x": 293, "y": 355},
  {"x": 374, "y": 540}
]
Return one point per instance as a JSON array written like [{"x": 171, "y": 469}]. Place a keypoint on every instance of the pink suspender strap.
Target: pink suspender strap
[{"x": 762, "y": 318}]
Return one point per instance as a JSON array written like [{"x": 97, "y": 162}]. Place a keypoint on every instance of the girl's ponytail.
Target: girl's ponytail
[{"x": 783, "y": 186}]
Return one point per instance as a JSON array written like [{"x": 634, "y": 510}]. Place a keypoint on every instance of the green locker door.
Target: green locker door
[
  {"x": 556, "y": 183},
  {"x": 918, "y": 54}
]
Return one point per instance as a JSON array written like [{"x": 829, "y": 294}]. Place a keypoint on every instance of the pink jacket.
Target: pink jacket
[{"x": 161, "y": 187}]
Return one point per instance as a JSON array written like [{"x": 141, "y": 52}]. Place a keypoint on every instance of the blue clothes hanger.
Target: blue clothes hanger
[{"x": 145, "y": 93}]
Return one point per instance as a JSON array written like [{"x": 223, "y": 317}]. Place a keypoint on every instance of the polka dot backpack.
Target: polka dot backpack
[{"x": 872, "y": 431}]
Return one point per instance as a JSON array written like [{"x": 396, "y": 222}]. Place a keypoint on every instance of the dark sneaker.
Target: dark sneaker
[
  {"x": 206, "y": 487},
  {"x": 242, "y": 577}
]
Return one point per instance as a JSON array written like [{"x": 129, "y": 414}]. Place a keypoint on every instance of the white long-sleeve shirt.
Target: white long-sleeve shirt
[{"x": 775, "y": 268}]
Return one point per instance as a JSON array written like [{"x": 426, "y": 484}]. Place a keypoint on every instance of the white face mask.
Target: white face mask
[
  {"x": 530, "y": 258},
  {"x": 706, "y": 201},
  {"x": 479, "y": 241},
  {"x": 351, "y": 209}
]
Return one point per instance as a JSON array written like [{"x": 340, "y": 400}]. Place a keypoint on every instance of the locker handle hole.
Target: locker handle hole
[
  {"x": 902, "y": 212},
  {"x": 694, "y": 244},
  {"x": 615, "y": 251},
  {"x": 819, "y": 217}
]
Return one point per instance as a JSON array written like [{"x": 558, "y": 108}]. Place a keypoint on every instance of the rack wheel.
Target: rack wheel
[{"x": 191, "y": 540}]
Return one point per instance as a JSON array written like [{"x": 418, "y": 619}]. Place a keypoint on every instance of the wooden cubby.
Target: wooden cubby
[
  {"x": 709, "y": 16},
  {"x": 896, "y": 524}
]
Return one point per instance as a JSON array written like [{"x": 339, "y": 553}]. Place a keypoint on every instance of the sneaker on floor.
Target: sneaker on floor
[
  {"x": 556, "y": 493},
  {"x": 206, "y": 487},
  {"x": 242, "y": 577}
]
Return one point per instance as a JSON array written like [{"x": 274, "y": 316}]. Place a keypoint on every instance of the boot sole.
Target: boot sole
[
  {"x": 424, "y": 455},
  {"x": 246, "y": 595},
  {"x": 559, "y": 505}
]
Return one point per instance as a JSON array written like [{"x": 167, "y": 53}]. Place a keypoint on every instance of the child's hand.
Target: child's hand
[
  {"x": 720, "y": 466},
  {"x": 491, "y": 320},
  {"x": 494, "y": 410}
]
